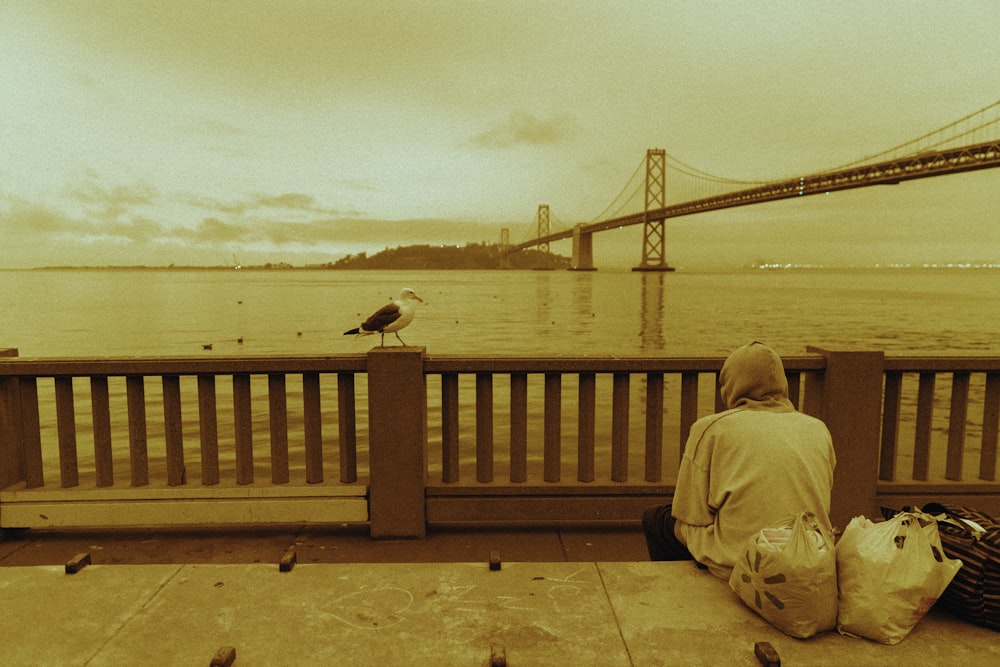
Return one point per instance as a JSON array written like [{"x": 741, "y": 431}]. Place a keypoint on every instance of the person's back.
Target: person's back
[{"x": 748, "y": 467}]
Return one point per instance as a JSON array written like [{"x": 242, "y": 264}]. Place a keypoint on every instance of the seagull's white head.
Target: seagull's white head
[{"x": 408, "y": 294}]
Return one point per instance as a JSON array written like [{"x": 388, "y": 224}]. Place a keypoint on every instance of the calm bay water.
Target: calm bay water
[{"x": 72, "y": 313}]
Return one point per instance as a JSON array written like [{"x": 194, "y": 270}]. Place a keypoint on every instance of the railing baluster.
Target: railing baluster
[
  {"x": 794, "y": 387},
  {"x": 925, "y": 414},
  {"x": 689, "y": 408},
  {"x": 32, "y": 432},
  {"x": 587, "y": 417},
  {"x": 991, "y": 425},
  {"x": 484, "y": 427},
  {"x": 552, "y": 456},
  {"x": 619, "y": 427},
  {"x": 100, "y": 408},
  {"x": 450, "y": 471},
  {"x": 518, "y": 427},
  {"x": 135, "y": 390},
  {"x": 277, "y": 399},
  {"x": 654, "y": 427},
  {"x": 208, "y": 423},
  {"x": 347, "y": 428},
  {"x": 69, "y": 472},
  {"x": 890, "y": 425},
  {"x": 313, "y": 417},
  {"x": 956, "y": 425},
  {"x": 243, "y": 419},
  {"x": 176, "y": 472}
]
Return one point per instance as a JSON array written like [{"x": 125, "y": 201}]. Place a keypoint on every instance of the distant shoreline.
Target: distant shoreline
[
  {"x": 956, "y": 266},
  {"x": 427, "y": 257}
]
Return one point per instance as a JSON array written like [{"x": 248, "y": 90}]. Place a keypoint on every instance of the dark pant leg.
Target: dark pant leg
[{"x": 658, "y": 524}]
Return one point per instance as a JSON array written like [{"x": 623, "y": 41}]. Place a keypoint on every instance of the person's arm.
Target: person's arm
[{"x": 691, "y": 494}]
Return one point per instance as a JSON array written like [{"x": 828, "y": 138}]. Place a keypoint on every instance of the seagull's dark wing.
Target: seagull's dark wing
[{"x": 382, "y": 318}]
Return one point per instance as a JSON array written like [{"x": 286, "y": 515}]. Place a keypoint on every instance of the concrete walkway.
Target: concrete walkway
[{"x": 178, "y": 598}]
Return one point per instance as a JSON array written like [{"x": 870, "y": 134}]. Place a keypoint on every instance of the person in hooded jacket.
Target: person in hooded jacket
[{"x": 743, "y": 469}]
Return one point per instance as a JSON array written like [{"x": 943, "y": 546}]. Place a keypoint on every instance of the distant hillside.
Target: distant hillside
[{"x": 472, "y": 256}]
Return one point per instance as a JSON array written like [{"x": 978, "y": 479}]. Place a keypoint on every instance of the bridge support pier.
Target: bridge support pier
[{"x": 583, "y": 250}]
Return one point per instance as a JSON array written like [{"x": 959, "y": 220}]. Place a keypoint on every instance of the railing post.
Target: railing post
[
  {"x": 11, "y": 437},
  {"x": 850, "y": 403},
  {"x": 397, "y": 441}
]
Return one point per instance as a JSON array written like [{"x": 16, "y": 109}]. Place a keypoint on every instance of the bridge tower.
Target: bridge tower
[
  {"x": 653, "y": 232},
  {"x": 544, "y": 229},
  {"x": 504, "y": 247}
]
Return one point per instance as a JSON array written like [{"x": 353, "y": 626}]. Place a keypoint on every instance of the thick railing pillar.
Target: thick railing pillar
[
  {"x": 397, "y": 441},
  {"x": 11, "y": 439},
  {"x": 848, "y": 397}
]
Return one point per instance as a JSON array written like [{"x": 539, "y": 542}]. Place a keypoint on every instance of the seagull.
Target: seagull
[{"x": 391, "y": 317}]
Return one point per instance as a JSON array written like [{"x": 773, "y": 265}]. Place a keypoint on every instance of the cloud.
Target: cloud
[
  {"x": 40, "y": 234},
  {"x": 24, "y": 219},
  {"x": 524, "y": 129},
  {"x": 213, "y": 230},
  {"x": 268, "y": 204},
  {"x": 115, "y": 200}
]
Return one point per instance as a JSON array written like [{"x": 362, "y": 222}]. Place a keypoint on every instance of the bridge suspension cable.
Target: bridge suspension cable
[
  {"x": 694, "y": 172},
  {"x": 530, "y": 229},
  {"x": 637, "y": 184},
  {"x": 603, "y": 215},
  {"x": 688, "y": 170},
  {"x": 896, "y": 150},
  {"x": 558, "y": 225}
]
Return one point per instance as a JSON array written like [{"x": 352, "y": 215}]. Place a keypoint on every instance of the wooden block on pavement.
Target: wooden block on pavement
[
  {"x": 224, "y": 657},
  {"x": 288, "y": 561},
  {"x": 766, "y": 654},
  {"x": 77, "y": 563},
  {"x": 498, "y": 656}
]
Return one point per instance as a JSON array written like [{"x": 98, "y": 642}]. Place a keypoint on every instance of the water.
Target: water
[{"x": 83, "y": 313}]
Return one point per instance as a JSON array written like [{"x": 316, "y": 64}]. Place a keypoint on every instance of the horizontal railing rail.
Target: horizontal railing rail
[{"x": 443, "y": 439}]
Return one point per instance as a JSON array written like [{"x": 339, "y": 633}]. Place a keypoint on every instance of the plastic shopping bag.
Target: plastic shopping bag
[
  {"x": 891, "y": 573},
  {"x": 788, "y": 575}
]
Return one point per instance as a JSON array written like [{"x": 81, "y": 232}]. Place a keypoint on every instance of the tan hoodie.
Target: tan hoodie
[{"x": 751, "y": 466}]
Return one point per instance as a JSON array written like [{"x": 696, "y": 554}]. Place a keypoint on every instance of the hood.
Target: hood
[{"x": 754, "y": 376}]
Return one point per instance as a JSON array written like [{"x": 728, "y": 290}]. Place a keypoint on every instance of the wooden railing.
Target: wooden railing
[
  {"x": 430, "y": 440},
  {"x": 940, "y": 420}
]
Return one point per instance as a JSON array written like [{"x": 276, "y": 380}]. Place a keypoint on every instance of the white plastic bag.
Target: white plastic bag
[
  {"x": 788, "y": 574},
  {"x": 891, "y": 573}
]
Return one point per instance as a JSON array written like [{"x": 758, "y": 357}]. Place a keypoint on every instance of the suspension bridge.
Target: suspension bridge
[{"x": 967, "y": 144}]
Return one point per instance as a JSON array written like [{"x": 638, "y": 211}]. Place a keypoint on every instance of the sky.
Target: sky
[{"x": 300, "y": 131}]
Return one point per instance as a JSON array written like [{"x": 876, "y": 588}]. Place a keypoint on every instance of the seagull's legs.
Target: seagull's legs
[
  {"x": 400, "y": 339},
  {"x": 383, "y": 341}
]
